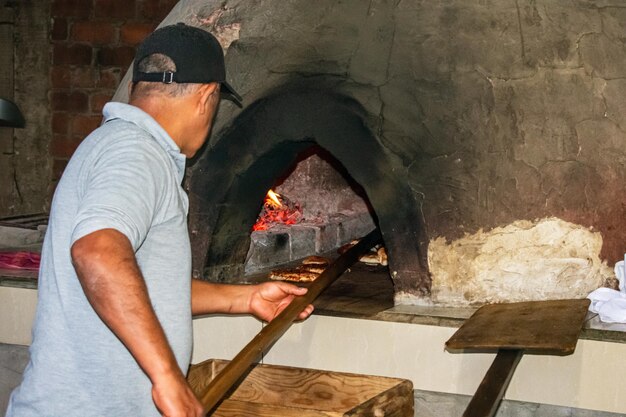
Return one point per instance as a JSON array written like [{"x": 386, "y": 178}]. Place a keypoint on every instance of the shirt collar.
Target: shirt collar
[{"x": 115, "y": 110}]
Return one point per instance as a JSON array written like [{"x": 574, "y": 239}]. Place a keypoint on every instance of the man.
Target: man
[{"x": 112, "y": 334}]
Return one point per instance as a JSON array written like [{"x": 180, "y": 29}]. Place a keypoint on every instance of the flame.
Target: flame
[
  {"x": 277, "y": 210},
  {"x": 272, "y": 199}
]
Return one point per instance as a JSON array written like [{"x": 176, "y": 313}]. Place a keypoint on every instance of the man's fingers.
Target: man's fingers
[
  {"x": 292, "y": 289},
  {"x": 306, "y": 312}
]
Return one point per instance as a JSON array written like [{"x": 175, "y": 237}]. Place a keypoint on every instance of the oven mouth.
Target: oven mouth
[
  {"x": 313, "y": 208},
  {"x": 259, "y": 148}
]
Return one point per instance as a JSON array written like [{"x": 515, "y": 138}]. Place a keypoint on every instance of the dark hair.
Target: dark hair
[{"x": 160, "y": 63}]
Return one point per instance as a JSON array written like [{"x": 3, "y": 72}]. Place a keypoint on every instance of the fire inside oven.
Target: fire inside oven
[
  {"x": 313, "y": 213},
  {"x": 316, "y": 205}
]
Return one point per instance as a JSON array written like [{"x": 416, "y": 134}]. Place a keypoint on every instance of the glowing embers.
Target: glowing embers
[{"x": 277, "y": 209}]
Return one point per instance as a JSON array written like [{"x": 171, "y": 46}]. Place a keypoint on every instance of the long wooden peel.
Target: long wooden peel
[{"x": 277, "y": 327}]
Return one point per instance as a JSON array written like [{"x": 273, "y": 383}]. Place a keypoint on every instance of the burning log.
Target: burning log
[{"x": 277, "y": 209}]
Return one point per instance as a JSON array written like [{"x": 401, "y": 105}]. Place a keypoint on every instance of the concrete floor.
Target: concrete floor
[
  {"x": 438, "y": 404},
  {"x": 13, "y": 360}
]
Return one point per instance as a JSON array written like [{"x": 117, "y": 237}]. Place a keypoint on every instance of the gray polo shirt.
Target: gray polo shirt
[{"x": 127, "y": 176}]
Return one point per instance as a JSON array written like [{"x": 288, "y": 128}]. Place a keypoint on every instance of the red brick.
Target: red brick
[
  {"x": 73, "y": 102},
  {"x": 62, "y": 146},
  {"x": 71, "y": 55},
  {"x": 149, "y": 10},
  {"x": 109, "y": 78},
  {"x": 58, "y": 166},
  {"x": 83, "y": 77},
  {"x": 97, "y": 101},
  {"x": 73, "y": 77},
  {"x": 120, "y": 56},
  {"x": 121, "y": 9},
  {"x": 59, "y": 29},
  {"x": 94, "y": 33},
  {"x": 71, "y": 8},
  {"x": 60, "y": 77},
  {"x": 60, "y": 123},
  {"x": 83, "y": 125},
  {"x": 134, "y": 33},
  {"x": 155, "y": 10}
]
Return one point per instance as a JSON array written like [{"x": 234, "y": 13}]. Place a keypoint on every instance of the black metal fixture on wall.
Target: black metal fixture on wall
[{"x": 10, "y": 114}]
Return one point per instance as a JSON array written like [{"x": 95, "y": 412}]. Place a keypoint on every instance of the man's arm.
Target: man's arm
[
  {"x": 265, "y": 301},
  {"x": 108, "y": 272}
]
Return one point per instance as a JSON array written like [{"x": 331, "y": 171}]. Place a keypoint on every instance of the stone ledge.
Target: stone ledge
[{"x": 593, "y": 329}]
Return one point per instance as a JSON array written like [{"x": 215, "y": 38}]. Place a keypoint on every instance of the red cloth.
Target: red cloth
[{"x": 20, "y": 260}]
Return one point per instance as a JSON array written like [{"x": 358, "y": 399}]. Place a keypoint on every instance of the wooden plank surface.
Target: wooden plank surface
[
  {"x": 235, "y": 408},
  {"x": 397, "y": 401},
  {"x": 270, "y": 390},
  {"x": 536, "y": 326}
]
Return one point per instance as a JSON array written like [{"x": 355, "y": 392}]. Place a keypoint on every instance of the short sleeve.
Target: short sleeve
[{"x": 121, "y": 190}]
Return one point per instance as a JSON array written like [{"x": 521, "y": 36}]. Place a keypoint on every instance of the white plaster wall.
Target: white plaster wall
[
  {"x": 222, "y": 337},
  {"x": 591, "y": 378},
  {"x": 17, "y": 312}
]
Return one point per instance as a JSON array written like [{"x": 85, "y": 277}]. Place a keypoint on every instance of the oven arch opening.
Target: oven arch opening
[{"x": 228, "y": 181}]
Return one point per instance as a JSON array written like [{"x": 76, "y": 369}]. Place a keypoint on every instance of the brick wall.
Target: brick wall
[{"x": 93, "y": 43}]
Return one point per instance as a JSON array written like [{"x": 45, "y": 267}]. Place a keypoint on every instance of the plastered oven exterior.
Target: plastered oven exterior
[{"x": 455, "y": 117}]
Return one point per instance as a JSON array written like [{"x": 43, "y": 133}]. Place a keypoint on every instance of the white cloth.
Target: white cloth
[{"x": 609, "y": 304}]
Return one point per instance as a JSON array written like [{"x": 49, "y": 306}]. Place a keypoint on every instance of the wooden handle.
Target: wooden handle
[
  {"x": 277, "y": 327},
  {"x": 487, "y": 398}
]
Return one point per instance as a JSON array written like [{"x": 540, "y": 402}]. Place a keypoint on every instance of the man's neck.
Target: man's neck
[{"x": 166, "y": 111}]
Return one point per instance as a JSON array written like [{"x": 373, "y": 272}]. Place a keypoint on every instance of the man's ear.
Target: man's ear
[{"x": 205, "y": 92}]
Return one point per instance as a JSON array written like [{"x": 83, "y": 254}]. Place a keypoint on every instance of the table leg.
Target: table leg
[{"x": 487, "y": 398}]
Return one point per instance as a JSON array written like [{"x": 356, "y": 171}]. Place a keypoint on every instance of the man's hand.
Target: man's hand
[
  {"x": 174, "y": 398},
  {"x": 265, "y": 301},
  {"x": 269, "y": 299}
]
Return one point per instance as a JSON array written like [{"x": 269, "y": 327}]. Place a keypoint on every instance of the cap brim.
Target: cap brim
[{"x": 227, "y": 89}]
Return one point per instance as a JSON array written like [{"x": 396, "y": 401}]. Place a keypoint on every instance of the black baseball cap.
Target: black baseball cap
[{"x": 196, "y": 53}]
